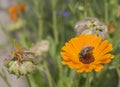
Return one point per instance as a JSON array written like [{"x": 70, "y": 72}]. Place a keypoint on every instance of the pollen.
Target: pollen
[
  {"x": 86, "y": 55},
  {"x": 87, "y": 58},
  {"x": 18, "y": 54}
]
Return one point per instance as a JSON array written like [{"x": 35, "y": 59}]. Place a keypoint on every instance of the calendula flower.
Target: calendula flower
[
  {"x": 91, "y": 26},
  {"x": 87, "y": 53},
  {"x": 15, "y": 11},
  {"x": 20, "y": 62}
]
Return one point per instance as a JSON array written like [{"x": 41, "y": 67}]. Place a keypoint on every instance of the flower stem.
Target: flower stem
[
  {"x": 40, "y": 35},
  {"x": 6, "y": 32},
  {"x": 118, "y": 72},
  {"x": 106, "y": 11},
  {"x": 5, "y": 79},
  {"x": 74, "y": 77},
  {"x": 48, "y": 74},
  {"x": 55, "y": 32},
  {"x": 28, "y": 80},
  {"x": 7, "y": 83},
  {"x": 85, "y": 8},
  {"x": 39, "y": 13},
  {"x": 87, "y": 80}
]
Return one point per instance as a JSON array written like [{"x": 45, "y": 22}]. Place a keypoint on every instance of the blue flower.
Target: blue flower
[{"x": 66, "y": 14}]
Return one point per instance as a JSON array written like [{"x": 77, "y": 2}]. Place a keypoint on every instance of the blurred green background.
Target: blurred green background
[{"x": 54, "y": 20}]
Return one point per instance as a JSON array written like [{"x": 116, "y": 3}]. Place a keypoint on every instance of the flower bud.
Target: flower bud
[
  {"x": 91, "y": 26},
  {"x": 20, "y": 62},
  {"x": 19, "y": 68},
  {"x": 17, "y": 25}
]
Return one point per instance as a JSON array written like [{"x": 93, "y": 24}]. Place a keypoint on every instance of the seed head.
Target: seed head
[{"x": 91, "y": 26}]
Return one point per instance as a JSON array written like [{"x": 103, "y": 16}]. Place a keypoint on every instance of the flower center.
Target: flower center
[
  {"x": 18, "y": 54},
  {"x": 86, "y": 55}
]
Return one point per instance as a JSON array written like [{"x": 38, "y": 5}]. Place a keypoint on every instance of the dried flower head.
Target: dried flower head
[
  {"x": 40, "y": 47},
  {"x": 20, "y": 63},
  {"x": 87, "y": 53},
  {"x": 91, "y": 26}
]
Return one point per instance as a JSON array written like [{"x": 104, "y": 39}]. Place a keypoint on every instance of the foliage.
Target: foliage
[{"x": 55, "y": 20}]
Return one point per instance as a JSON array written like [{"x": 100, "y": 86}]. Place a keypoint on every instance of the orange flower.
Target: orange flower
[
  {"x": 14, "y": 17},
  {"x": 22, "y": 7},
  {"x": 111, "y": 26},
  {"x": 86, "y": 53},
  {"x": 14, "y": 11}
]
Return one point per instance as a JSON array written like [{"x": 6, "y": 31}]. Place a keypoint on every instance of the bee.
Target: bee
[
  {"x": 85, "y": 55},
  {"x": 86, "y": 50}
]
